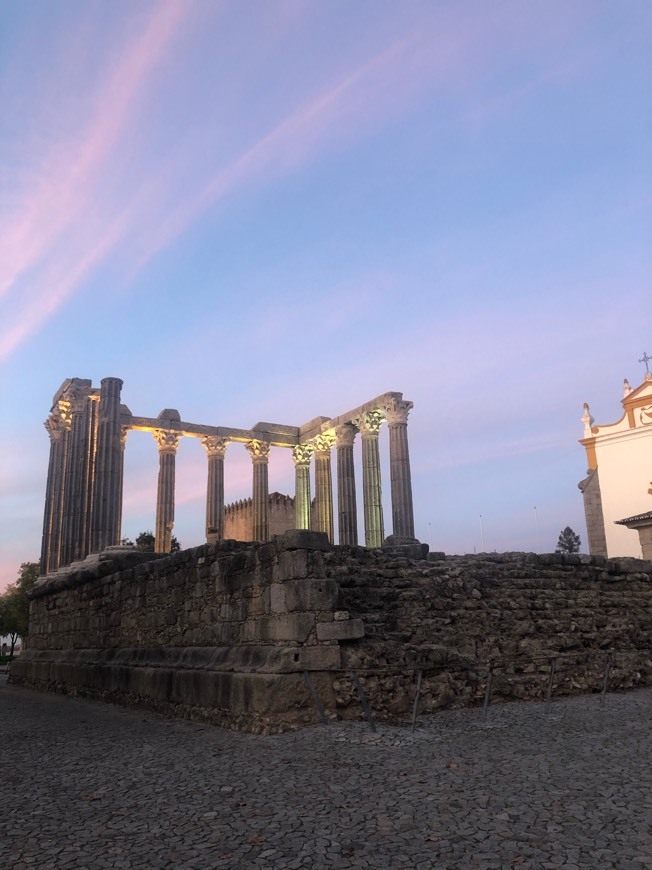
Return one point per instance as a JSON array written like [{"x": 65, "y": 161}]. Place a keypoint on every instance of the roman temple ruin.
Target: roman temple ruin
[{"x": 88, "y": 428}]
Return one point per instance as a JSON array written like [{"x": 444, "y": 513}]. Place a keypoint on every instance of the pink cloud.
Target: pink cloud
[{"x": 63, "y": 189}]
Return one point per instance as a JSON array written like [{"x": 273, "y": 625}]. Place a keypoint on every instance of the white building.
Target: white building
[{"x": 619, "y": 463}]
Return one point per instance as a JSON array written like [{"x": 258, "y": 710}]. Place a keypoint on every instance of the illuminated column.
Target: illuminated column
[
  {"x": 73, "y": 500},
  {"x": 369, "y": 426},
  {"x": 215, "y": 450},
  {"x": 301, "y": 455},
  {"x": 323, "y": 484},
  {"x": 105, "y": 530},
  {"x": 167, "y": 449},
  {"x": 347, "y": 513},
  {"x": 53, "y": 491},
  {"x": 396, "y": 413},
  {"x": 124, "y": 431},
  {"x": 259, "y": 452},
  {"x": 62, "y": 414}
]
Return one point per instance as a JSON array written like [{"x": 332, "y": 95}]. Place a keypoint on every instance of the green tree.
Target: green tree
[
  {"x": 14, "y": 610},
  {"x": 146, "y": 540},
  {"x": 568, "y": 542}
]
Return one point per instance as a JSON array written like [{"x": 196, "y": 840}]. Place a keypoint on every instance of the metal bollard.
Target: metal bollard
[
  {"x": 553, "y": 665},
  {"x": 605, "y": 682},
  {"x": 487, "y": 691},
  {"x": 416, "y": 700},
  {"x": 315, "y": 697},
  {"x": 363, "y": 701}
]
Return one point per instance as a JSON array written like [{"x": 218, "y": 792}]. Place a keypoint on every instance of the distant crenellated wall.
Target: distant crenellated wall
[
  {"x": 223, "y": 632},
  {"x": 239, "y": 517}
]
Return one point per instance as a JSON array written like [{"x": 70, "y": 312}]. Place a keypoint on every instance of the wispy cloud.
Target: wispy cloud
[{"x": 49, "y": 210}]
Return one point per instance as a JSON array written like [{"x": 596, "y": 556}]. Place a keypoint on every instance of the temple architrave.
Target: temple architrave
[{"x": 88, "y": 430}]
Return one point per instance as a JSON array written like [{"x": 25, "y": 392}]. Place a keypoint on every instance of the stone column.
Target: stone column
[
  {"x": 347, "y": 512},
  {"x": 89, "y": 471},
  {"x": 167, "y": 449},
  {"x": 124, "y": 431},
  {"x": 215, "y": 450},
  {"x": 259, "y": 452},
  {"x": 74, "y": 512},
  {"x": 63, "y": 416},
  {"x": 105, "y": 528},
  {"x": 322, "y": 445},
  {"x": 369, "y": 426},
  {"x": 396, "y": 413},
  {"x": 50, "y": 545},
  {"x": 301, "y": 455}
]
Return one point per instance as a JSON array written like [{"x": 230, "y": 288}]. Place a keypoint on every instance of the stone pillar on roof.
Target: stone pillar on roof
[
  {"x": 167, "y": 448},
  {"x": 347, "y": 513},
  {"x": 259, "y": 452},
  {"x": 396, "y": 414},
  {"x": 301, "y": 455},
  {"x": 215, "y": 450},
  {"x": 369, "y": 426},
  {"x": 107, "y": 484},
  {"x": 322, "y": 445}
]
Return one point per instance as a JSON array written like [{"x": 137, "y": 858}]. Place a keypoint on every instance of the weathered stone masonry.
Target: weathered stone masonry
[{"x": 223, "y": 632}]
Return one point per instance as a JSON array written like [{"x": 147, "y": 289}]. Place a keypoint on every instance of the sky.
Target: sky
[{"x": 273, "y": 211}]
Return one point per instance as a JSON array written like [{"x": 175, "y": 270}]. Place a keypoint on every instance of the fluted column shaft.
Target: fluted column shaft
[
  {"x": 399, "y": 467},
  {"x": 105, "y": 521},
  {"x": 215, "y": 450},
  {"x": 323, "y": 485},
  {"x": 51, "y": 514},
  {"x": 259, "y": 452},
  {"x": 301, "y": 455},
  {"x": 167, "y": 449},
  {"x": 369, "y": 426},
  {"x": 75, "y": 538},
  {"x": 347, "y": 512}
]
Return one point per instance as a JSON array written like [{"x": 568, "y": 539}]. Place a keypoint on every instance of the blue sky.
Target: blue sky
[{"x": 270, "y": 211}]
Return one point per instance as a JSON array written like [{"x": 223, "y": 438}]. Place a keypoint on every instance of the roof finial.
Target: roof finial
[
  {"x": 627, "y": 389},
  {"x": 588, "y": 421},
  {"x": 646, "y": 359}
]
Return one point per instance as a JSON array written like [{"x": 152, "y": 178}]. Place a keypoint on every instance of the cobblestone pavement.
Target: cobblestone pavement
[{"x": 86, "y": 784}]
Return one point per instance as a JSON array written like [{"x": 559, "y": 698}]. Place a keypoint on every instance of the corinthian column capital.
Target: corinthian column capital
[
  {"x": 167, "y": 441},
  {"x": 345, "y": 435},
  {"x": 63, "y": 412},
  {"x": 76, "y": 397},
  {"x": 54, "y": 428},
  {"x": 396, "y": 412},
  {"x": 301, "y": 455},
  {"x": 215, "y": 446},
  {"x": 369, "y": 424},
  {"x": 323, "y": 444},
  {"x": 258, "y": 450}
]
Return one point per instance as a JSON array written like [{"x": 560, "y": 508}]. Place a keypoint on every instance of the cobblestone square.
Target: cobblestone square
[{"x": 89, "y": 785}]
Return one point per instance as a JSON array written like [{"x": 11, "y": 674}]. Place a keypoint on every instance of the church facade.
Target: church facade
[{"x": 619, "y": 473}]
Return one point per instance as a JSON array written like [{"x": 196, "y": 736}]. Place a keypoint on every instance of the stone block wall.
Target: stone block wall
[{"x": 223, "y": 632}]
